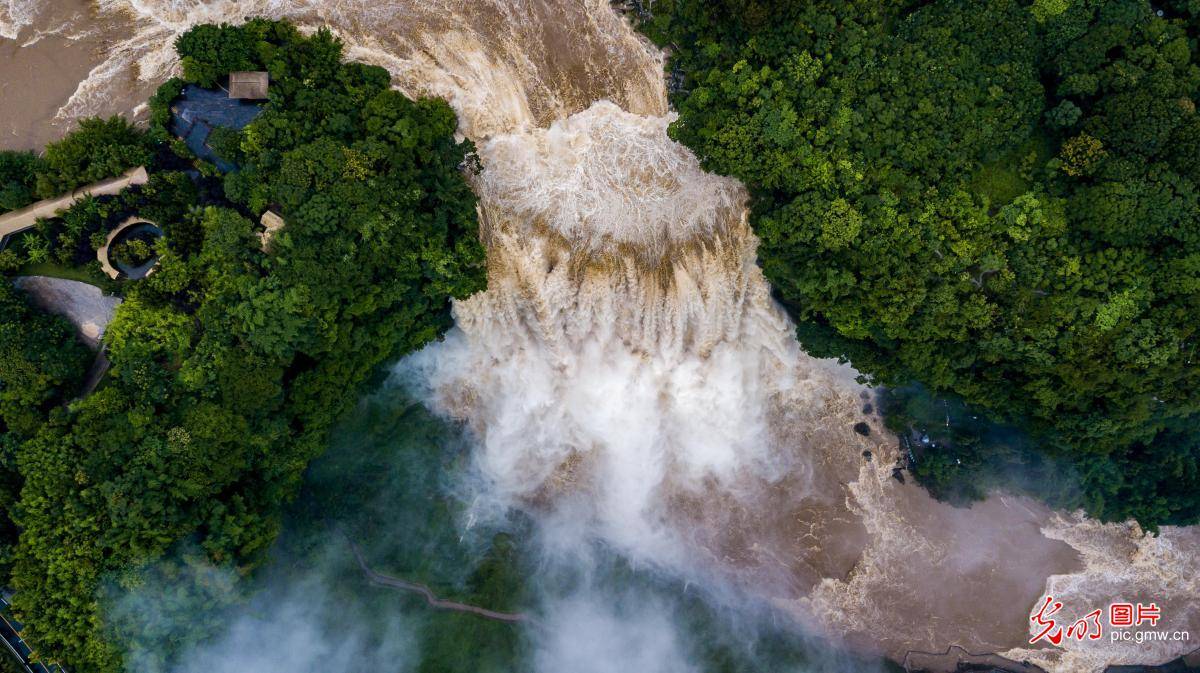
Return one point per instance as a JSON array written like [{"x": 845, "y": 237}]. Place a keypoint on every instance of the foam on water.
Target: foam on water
[
  {"x": 607, "y": 179},
  {"x": 628, "y": 377},
  {"x": 1123, "y": 564},
  {"x": 15, "y": 15},
  {"x": 632, "y": 383},
  {"x": 593, "y": 365},
  {"x": 503, "y": 64}
]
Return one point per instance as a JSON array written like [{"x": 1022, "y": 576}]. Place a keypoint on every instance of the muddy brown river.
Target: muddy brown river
[{"x": 627, "y": 373}]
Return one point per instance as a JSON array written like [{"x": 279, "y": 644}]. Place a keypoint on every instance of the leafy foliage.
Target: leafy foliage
[
  {"x": 41, "y": 363},
  {"x": 41, "y": 366},
  {"x": 134, "y": 251},
  {"x": 995, "y": 199},
  {"x": 210, "y": 52},
  {"x": 98, "y": 149},
  {"x": 230, "y": 364},
  {"x": 72, "y": 238},
  {"x": 18, "y": 179}
]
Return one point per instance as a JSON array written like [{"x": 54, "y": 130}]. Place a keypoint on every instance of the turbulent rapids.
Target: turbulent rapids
[{"x": 630, "y": 380}]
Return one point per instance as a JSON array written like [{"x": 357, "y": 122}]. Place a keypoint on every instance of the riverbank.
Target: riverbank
[{"x": 633, "y": 386}]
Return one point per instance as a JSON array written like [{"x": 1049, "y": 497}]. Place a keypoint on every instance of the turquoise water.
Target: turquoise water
[{"x": 389, "y": 482}]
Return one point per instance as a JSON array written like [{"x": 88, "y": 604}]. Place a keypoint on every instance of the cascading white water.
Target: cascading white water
[
  {"x": 626, "y": 341},
  {"x": 501, "y": 64},
  {"x": 630, "y": 380}
]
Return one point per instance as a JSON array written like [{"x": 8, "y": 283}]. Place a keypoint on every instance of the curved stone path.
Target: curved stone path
[{"x": 86, "y": 306}]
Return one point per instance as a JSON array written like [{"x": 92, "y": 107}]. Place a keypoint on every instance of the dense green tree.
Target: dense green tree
[
  {"x": 231, "y": 363},
  {"x": 72, "y": 238},
  {"x": 997, "y": 199},
  {"x": 42, "y": 364},
  {"x": 98, "y": 149},
  {"x": 210, "y": 52},
  {"x": 134, "y": 251},
  {"x": 18, "y": 179}
]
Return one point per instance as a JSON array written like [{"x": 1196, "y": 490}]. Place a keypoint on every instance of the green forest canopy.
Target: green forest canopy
[
  {"x": 995, "y": 198},
  {"x": 42, "y": 365},
  {"x": 229, "y": 364}
]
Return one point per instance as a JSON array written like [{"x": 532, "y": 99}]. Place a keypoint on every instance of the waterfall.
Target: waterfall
[{"x": 632, "y": 384}]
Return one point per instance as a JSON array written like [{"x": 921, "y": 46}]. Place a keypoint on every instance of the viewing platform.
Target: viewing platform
[
  {"x": 198, "y": 112},
  {"x": 113, "y": 268}
]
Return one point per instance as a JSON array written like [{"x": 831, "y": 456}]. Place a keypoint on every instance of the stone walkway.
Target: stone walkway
[
  {"x": 20, "y": 220},
  {"x": 86, "y": 306}
]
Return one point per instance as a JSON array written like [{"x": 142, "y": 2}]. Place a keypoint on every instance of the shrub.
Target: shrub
[{"x": 97, "y": 150}]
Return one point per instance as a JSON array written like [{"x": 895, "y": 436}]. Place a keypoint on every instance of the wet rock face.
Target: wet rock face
[{"x": 626, "y": 365}]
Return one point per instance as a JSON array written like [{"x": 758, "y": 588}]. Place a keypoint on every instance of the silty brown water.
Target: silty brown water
[{"x": 627, "y": 374}]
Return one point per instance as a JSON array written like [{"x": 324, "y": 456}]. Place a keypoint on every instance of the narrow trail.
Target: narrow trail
[
  {"x": 430, "y": 597},
  {"x": 990, "y": 660}
]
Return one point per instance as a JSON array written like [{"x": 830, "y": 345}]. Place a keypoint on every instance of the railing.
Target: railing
[{"x": 20, "y": 649}]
